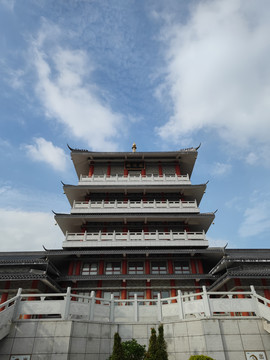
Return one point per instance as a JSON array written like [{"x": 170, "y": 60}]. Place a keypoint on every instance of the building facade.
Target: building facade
[{"x": 135, "y": 231}]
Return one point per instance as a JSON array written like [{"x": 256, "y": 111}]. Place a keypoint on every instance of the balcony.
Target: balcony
[
  {"x": 168, "y": 179},
  {"x": 84, "y": 207},
  {"x": 135, "y": 239}
]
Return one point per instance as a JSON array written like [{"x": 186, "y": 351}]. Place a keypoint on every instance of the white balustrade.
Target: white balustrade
[
  {"x": 114, "y": 206},
  {"x": 122, "y": 179},
  {"x": 131, "y": 236},
  {"x": 91, "y": 308}
]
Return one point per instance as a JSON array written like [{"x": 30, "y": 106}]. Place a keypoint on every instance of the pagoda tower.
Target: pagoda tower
[{"x": 135, "y": 225}]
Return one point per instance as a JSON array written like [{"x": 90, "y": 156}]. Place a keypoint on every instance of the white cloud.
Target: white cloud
[
  {"x": 256, "y": 219},
  {"x": 68, "y": 93},
  {"x": 218, "y": 73},
  {"x": 22, "y": 230},
  {"x": 8, "y": 4},
  {"x": 45, "y": 151},
  {"x": 220, "y": 169}
]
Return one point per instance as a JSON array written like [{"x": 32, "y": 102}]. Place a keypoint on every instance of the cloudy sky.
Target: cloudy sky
[{"x": 165, "y": 74}]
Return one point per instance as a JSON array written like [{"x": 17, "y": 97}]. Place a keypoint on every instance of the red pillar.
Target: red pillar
[
  {"x": 177, "y": 170},
  {"x": 124, "y": 284},
  {"x": 143, "y": 172},
  {"x": 160, "y": 171},
  {"x": 125, "y": 171},
  {"x": 194, "y": 271},
  {"x": 200, "y": 266},
  {"x": 70, "y": 268},
  {"x": 266, "y": 291},
  {"x": 237, "y": 283},
  {"x": 31, "y": 298},
  {"x": 91, "y": 170},
  {"x": 4, "y": 296},
  {"x": 148, "y": 283},
  {"x": 172, "y": 281},
  {"x": 99, "y": 284},
  {"x": 109, "y": 169}
]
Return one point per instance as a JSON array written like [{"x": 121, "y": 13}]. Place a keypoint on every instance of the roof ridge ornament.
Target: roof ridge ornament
[{"x": 134, "y": 147}]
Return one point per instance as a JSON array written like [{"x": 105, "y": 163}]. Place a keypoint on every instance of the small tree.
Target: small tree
[
  {"x": 200, "y": 357},
  {"x": 132, "y": 350},
  {"x": 118, "y": 353},
  {"x": 161, "y": 352},
  {"x": 152, "y": 348}
]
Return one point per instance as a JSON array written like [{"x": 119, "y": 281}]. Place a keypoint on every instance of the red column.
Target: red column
[
  {"x": 78, "y": 268},
  {"x": 91, "y": 170},
  {"x": 31, "y": 298},
  {"x": 177, "y": 170},
  {"x": 160, "y": 171},
  {"x": 200, "y": 266},
  {"x": 148, "y": 290},
  {"x": 148, "y": 283},
  {"x": 109, "y": 169},
  {"x": 237, "y": 283},
  {"x": 124, "y": 284},
  {"x": 99, "y": 284},
  {"x": 143, "y": 172},
  {"x": 194, "y": 271},
  {"x": 172, "y": 282},
  {"x": 70, "y": 268},
  {"x": 125, "y": 171},
  {"x": 266, "y": 291},
  {"x": 4, "y": 296}
]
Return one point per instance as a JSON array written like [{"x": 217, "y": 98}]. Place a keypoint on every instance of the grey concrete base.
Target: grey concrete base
[{"x": 221, "y": 339}]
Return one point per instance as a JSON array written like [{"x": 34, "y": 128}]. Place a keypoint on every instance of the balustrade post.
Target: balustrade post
[
  {"x": 112, "y": 308},
  {"x": 114, "y": 236},
  {"x": 171, "y": 235},
  {"x": 128, "y": 203},
  {"x": 167, "y": 203},
  {"x": 135, "y": 306},
  {"x": 143, "y": 237},
  {"x": 206, "y": 303},
  {"x": 180, "y": 305},
  {"x": 92, "y": 306},
  {"x": 157, "y": 235},
  {"x": 85, "y": 236},
  {"x": 67, "y": 304},
  {"x": 102, "y": 203},
  {"x": 155, "y": 203},
  {"x": 115, "y": 203},
  {"x": 255, "y": 300},
  {"x": 203, "y": 235},
  {"x": 141, "y": 203},
  {"x": 99, "y": 235},
  {"x": 180, "y": 204},
  {"x": 66, "y": 235},
  {"x": 128, "y": 235},
  {"x": 17, "y": 305},
  {"x": 159, "y": 308},
  {"x": 185, "y": 235}
]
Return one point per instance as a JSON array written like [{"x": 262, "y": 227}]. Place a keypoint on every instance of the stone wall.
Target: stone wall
[{"x": 222, "y": 339}]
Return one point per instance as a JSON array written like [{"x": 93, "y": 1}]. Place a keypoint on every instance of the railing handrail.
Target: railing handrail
[{"x": 180, "y": 304}]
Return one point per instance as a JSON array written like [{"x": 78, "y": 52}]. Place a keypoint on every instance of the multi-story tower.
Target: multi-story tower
[{"x": 135, "y": 215}]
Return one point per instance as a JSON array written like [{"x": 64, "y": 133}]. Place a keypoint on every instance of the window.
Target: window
[
  {"x": 135, "y": 267},
  {"x": 90, "y": 269},
  {"x": 113, "y": 268},
  {"x": 159, "y": 267},
  {"x": 181, "y": 267}
]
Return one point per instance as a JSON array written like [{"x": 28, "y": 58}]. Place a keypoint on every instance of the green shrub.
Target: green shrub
[
  {"x": 161, "y": 353},
  {"x": 200, "y": 357},
  {"x": 132, "y": 350},
  {"x": 152, "y": 348},
  {"x": 118, "y": 353}
]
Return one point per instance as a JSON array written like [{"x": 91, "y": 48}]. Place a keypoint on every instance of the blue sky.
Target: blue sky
[{"x": 165, "y": 74}]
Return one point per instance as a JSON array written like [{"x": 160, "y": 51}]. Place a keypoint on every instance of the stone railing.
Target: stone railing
[
  {"x": 68, "y": 306},
  {"x": 130, "y": 179},
  {"x": 141, "y": 206},
  {"x": 129, "y": 238}
]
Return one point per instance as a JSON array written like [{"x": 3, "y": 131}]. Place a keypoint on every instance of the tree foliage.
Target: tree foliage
[
  {"x": 118, "y": 353},
  {"x": 133, "y": 350},
  {"x": 161, "y": 352},
  {"x": 128, "y": 350},
  {"x": 157, "y": 349},
  {"x": 200, "y": 357}
]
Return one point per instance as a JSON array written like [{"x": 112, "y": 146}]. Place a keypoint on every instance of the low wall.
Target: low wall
[{"x": 219, "y": 338}]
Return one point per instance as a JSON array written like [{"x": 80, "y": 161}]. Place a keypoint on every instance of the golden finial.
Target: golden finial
[{"x": 134, "y": 147}]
